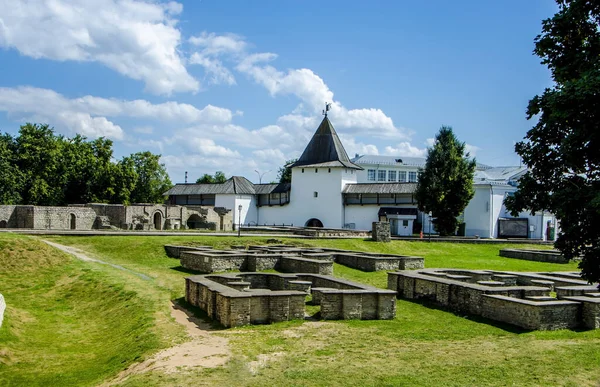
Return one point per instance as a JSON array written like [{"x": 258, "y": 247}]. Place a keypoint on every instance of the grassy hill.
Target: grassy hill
[{"x": 78, "y": 323}]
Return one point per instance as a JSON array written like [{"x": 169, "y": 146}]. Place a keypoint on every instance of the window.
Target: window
[
  {"x": 329, "y": 170},
  {"x": 381, "y": 175},
  {"x": 402, "y": 176},
  {"x": 405, "y": 223},
  {"x": 412, "y": 177},
  {"x": 371, "y": 175},
  {"x": 316, "y": 194},
  {"x": 392, "y": 176},
  {"x": 302, "y": 170},
  {"x": 316, "y": 170}
]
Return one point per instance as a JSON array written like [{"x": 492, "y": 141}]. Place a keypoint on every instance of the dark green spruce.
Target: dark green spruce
[{"x": 445, "y": 186}]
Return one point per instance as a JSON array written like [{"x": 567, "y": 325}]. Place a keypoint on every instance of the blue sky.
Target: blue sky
[{"x": 238, "y": 86}]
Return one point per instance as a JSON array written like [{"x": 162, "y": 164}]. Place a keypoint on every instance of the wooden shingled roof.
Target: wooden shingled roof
[{"x": 325, "y": 150}]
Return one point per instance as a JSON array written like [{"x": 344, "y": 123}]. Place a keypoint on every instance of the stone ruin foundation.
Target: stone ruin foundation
[
  {"x": 205, "y": 259},
  {"x": 552, "y": 256},
  {"x": 236, "y": 299},
  {"x": 535, "y": 301}
]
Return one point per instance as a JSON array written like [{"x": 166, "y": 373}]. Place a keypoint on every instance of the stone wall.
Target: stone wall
[
  {"x": 302, "y": 265},
  {"x": 381, "y": 232},
  {"x": 63, "y": 218},
  {"x": 287, "y": 259},
  {"x": 267, "y": 297},
  {"x": 479, "y": 292},
  {"x": 205, "y": 262},
  {"x": 96, "y": 215},
  {"x": 534, "y": 255}
]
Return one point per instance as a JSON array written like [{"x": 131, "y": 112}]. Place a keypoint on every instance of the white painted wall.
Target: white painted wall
[
  {"x": 232, "y": 202},
  {"x": 362, "y": 216},
  {"x": 477, "y": 213},
  {"x": 327, "y": 206}
]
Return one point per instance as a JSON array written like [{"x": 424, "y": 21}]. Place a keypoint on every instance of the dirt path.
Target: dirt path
[
  {"x": 204, "y": 349},
  {"x": 82, "y": 256}
]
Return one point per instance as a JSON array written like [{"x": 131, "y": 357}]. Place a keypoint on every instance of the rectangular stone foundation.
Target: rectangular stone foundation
[
  {"x": 267, "y": 297},
  {"x": 529, "y": 307}
]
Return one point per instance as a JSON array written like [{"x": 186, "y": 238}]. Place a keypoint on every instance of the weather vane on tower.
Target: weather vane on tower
[{"x": 327, "y": 107}]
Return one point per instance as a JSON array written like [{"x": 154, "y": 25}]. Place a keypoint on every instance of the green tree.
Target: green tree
[
  {"x": 445, "y": 186},
  {"x": 11, "y": 178},
  {"x": 284, "y": 173},
  {"x": 152, "y": 178},
  {"x": 218, "y": 178},
  {"x": 39, "y": 153},
  {"x": 562, "y": 149}
]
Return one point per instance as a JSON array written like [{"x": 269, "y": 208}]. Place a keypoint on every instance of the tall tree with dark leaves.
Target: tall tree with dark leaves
[
  {"x": 445, "y": 186},
  {"x": 562, "y": 149},
  {"x": 218, "y": 178},
  {"x": 284, "y": 174},
  {"x": 11, "y": 178},
  {"x": 152, "y": 178},
  {"x": 39, "y": 153}
]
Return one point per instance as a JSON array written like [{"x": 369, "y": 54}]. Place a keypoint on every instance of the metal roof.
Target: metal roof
[
  {"x": 499, "y": 175},
  {"x": 325, "y": 147},
  {"x": 385, "y": 188},
  {"x": 235, "y": 185},
  {"x": 263, "y": 189},
  {"x": 399, "y": 161}
]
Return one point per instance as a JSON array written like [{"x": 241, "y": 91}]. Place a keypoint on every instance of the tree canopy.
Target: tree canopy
[
  {"x": 218, "y": 178},
  {"x": 284, "y": 173},
  {"x": 562, "y": 149},
  {"x": 445, "y": 186},
  {"x": 39, "y": 167}
]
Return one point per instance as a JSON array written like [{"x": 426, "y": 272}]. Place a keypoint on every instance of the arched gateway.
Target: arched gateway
[{"x": 313, "y": 222}]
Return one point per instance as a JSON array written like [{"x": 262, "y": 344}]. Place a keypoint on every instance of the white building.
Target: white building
[{"x": 331, "y": 190}]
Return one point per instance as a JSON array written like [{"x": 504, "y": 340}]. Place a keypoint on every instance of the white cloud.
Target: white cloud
[
  {"x": 87, "y": 115},
  {"x": 207, "y": 147},
  {"x": 313, "y": 93},
  {"x": 213, "y": 44},
  {"x": 405, "y": 149},
  {"x": 214, "y": 68},
  {"x": 353, "y": 148},
  {"x": 472, "y": 149},
  {"x": 273, "y": 156},
  {"x": 212, "y": 48},
  {"x": 138, "y": 39}
]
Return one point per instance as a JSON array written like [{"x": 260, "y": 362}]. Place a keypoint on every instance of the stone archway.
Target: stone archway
[
  {"x": 157, "y": 220},
  {"x": 3, "y": 224},
  {"x": 313, "y": 222},
  {"x": 195, "y": 221},
  {"x": 72, "y": 222}
]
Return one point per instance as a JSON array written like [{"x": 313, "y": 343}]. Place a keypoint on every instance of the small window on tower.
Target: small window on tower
[
  {"x": 316, "y": 170},
  {"x": 302, "y": 170},
  {"x": 329, "y": 170},
  {"x": 316, "y": 194}
]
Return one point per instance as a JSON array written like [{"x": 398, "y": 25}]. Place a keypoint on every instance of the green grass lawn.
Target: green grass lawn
[{"x": 421, "y": 346}]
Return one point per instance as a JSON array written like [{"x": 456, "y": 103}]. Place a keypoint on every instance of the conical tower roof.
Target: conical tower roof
[{"x": 325, "y": 150}]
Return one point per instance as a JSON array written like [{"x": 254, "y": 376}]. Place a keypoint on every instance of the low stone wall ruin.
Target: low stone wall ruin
[
  {"x": 551, "y": 256},
  {"x": 521, "y": 299},
  {"x": 287, "y": 259},
  {"x": 237, "y": 299}
]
